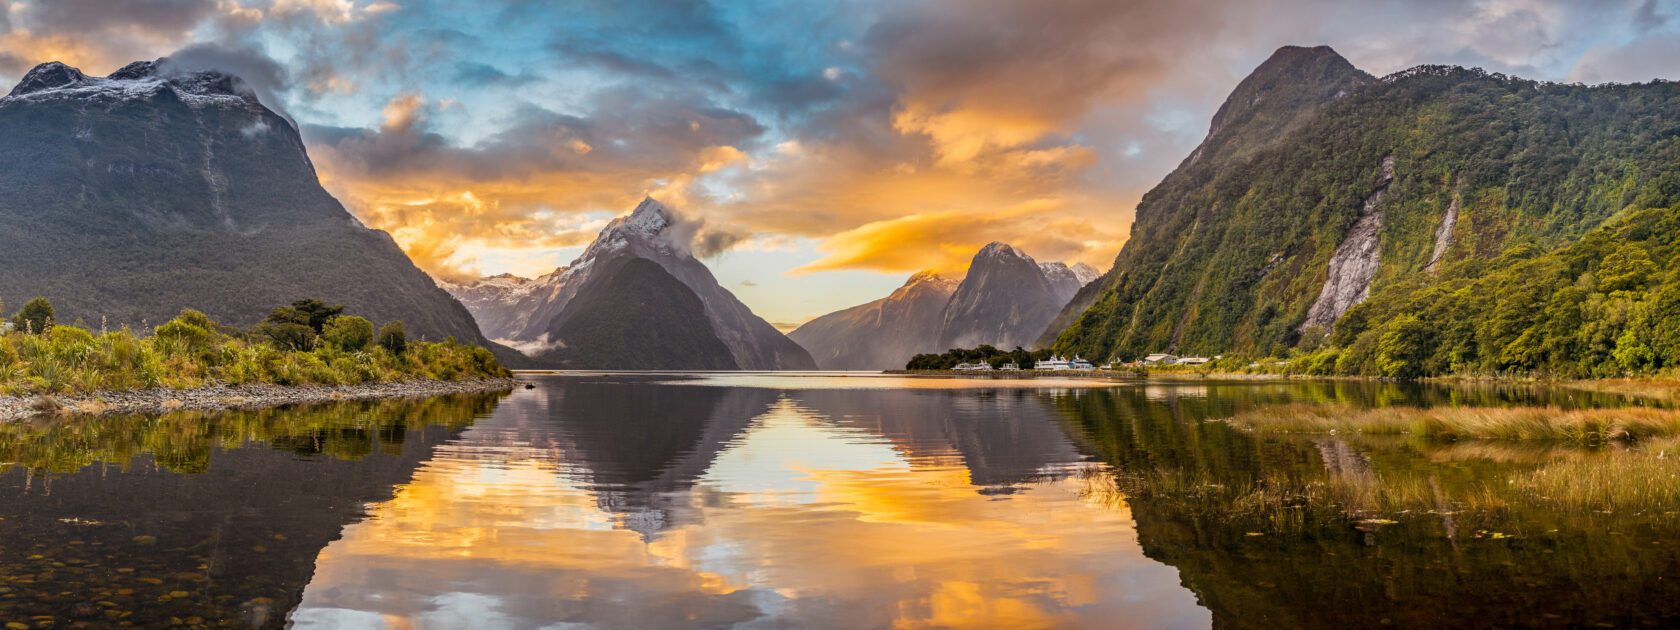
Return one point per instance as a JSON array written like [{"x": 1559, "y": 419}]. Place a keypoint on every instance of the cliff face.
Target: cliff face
[
  {"x": 1319, "y": 188},
  {"x": 133, "y": 196}
]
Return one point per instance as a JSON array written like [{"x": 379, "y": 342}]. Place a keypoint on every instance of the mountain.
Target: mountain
[
  {"x": 563, "y": 319},
  {"x": 882, "y": 334},
  {"x": 133, "y": 196},
  {"x": 637, "y": 316},
  {"x": 1004, "y": 300},
  {"x": 1325, "y": 205}
]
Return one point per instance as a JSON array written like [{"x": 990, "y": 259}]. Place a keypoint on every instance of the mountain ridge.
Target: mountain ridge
[{"x": 133, "y": 196}]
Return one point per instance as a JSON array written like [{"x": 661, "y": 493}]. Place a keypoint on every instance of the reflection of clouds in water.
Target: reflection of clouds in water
[{"x": 812, "y": 511}]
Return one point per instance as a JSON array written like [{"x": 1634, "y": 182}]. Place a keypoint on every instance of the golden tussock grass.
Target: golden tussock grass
[{"x": 1582, "y": 426}]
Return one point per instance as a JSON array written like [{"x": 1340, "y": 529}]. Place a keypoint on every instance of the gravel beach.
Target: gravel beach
[{"x": 240, "y": 396}]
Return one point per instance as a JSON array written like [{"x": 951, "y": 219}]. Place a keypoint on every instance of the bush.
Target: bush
[
  {"x": 349, "y": 332},
  {"x": 35, "y": 317},
  {"x": 191, "y": 330},
  {"x": 393, "y": 339}
]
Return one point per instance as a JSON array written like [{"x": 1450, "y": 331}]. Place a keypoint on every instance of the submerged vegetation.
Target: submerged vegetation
[{"x": 307, "y": 343}]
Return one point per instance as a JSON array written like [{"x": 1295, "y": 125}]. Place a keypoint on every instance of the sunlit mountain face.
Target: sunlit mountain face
[{"x": 831, "y": 148}]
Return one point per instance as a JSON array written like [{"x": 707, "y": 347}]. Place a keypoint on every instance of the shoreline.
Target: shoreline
[{"x": 224, "y": 397}]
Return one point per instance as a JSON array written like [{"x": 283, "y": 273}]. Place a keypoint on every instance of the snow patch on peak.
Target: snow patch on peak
[
  {"x": 138, "y": 80},
  {"x": 1085, "y": 273},
  {"x": 996, "y": 248},
  {"x": 650, "y": 215}
]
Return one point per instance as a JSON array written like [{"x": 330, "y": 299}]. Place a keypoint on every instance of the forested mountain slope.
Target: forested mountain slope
[{"x": 1268, "y": 233}]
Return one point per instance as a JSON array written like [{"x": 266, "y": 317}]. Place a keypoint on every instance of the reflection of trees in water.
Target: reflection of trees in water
[
  {"x": 1461, "y": 550},
  {"x": 209, "y": 515}
]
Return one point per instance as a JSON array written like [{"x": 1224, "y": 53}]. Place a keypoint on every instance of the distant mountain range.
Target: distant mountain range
[
  {"x": 133, "y": 196},
  {"x": 612, "y": 309},
  {"x": 1005, "y": 300}
]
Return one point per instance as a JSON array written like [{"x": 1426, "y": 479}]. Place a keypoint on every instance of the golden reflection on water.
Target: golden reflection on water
[{"x": 797, "y": 520}]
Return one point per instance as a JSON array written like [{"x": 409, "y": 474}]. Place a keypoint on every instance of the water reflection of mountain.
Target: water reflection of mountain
[
  {"x": 1198, "y": 492},
  {"x": 636, "y": 443},
  {"x": 233, "y": 536},
  {"x": 1003, "y": 437}
]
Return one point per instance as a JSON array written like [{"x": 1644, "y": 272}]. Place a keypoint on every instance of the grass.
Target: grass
[
  {"x": 1580, "y": 426},
  {"x": 1642, "y": 480},
  {"x": 72, "y": 360}
]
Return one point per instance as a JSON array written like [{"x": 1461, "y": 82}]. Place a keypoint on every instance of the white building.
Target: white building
[{"x": 1160, "y": 359}]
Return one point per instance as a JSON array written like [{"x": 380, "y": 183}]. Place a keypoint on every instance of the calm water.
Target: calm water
[{"x": 770, "y": 501}]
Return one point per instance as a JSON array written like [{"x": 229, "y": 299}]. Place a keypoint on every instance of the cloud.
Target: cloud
[
  {"x": 898, "y": 135},
  {"x": 265, "y": 76},
  {"x": 946, "y": 241},
  {"x": 536, "y": 181}
]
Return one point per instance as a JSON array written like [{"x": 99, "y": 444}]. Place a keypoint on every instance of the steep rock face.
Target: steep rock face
[
  {"x": 881, "y": 334},
  {"x": 1355, "y": 262},
  {"x": 1232, "y": 250},
  {"x": 1279, "y": 97},
  {"x": 1006, "y": 299},
  {"x": 532, "y": 315},
  {"x": 133, "y": 196}
]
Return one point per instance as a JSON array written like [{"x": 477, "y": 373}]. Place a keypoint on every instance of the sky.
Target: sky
[{"x": 827, "y": 149}]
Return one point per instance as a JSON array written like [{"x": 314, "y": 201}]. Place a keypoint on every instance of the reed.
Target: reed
[
  {"x": 1643, "y": 480},
  {"x": 1579, "y": 426}
]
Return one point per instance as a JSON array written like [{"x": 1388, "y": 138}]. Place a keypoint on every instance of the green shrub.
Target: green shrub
[
  {"x": 349, "y": 332},
  {"x": 35, "y": 316},
  {"x": 393, "y": 339}
]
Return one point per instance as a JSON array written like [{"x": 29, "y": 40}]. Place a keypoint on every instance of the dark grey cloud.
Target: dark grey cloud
[
  {"x": 161, "y": 16},
  {"x": 480, "y": 74},
  {"x": 1647, "y": 18}
]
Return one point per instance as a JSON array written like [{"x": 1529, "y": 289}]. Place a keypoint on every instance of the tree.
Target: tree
[
  {"x": 349, "y": 332},
  {"x": 35, "y": 316},
  {"x": 392, "y": 338},
  {"x": 287, "y": 328},
  {"x": 316, "y": 313},
  {"x": 1403, "y": 347}
]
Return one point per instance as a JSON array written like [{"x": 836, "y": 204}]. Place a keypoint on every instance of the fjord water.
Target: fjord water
[{"x": 776, "y": 500}]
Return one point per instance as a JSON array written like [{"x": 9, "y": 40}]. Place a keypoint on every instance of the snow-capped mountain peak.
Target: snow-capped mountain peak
[
  {"x": 999, "y": 248},
  {"x": 1085, "y": 273},
  {"x": 138, "y": 80},
  {"x": 650, "y": 216}
]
